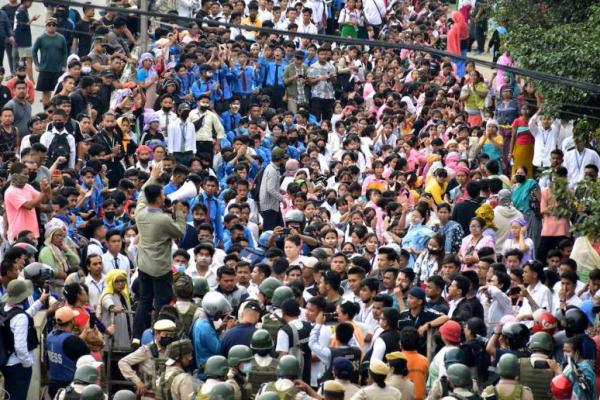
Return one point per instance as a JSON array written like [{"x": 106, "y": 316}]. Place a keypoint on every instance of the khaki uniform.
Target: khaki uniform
[
  {"x": 505, "y": 388},
  {"x": 350, "y": 388},
  {"x": 404, "y": 385},
  {"x": 243, "y": 392},
  {"x": 206, "y": 388},
  {"x": 182, "y": 385},
  {"x": 282, "y": 386},
  {"x": 463, "y": 393},
  {"x": 143, "y": 359},
  {"x": 375, "y": 392}
]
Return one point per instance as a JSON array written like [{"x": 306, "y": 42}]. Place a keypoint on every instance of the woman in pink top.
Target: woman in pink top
[
  {"x": 375, "y": 180},
  {"x": 472, "y": 243},
  {"x": 553, "y": 229}
]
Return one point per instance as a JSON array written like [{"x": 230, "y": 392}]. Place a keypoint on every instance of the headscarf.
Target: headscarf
[
  {"x": 458, "y": 32},
  {"x": 119, "y": 96},
  {"x": 149, "y": 118},
  {"x": 519, "y": 220},
  {"x": 144, "y": 57},
  {"x": 291, "y": 167},
  {"x": 62, "y": 264},
  {"x": 461, "y": 168},
  {"x": 452, "y": 159},
  {"x": 109, "y": 289},
  {"x": 486, "y": 212}
]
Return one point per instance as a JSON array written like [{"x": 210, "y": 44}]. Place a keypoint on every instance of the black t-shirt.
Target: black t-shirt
[
  {"x": 84, "y": 37},
  {"x": 79, "y": 103},
  {"x": 464, "y": 212}
]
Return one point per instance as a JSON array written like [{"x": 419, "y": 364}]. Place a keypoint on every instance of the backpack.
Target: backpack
[
  {"x": 185, "y": 322},
  {"x": 490, "y": 392},
  {"x": 289, "y": 394},
  {"x": 7, "y": 342},
  {"x": 295, "y": 350},
  {"x": 58, "y": 147},
  {"x": 255, "y": 192},
  {"x": 477, "y": 357}
]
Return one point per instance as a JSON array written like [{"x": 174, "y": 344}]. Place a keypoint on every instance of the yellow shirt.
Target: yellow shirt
[
  {"x": 251, "y": 35},
  {"x": 433, "y": 187}
]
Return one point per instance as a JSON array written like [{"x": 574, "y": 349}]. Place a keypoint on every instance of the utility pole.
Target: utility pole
[{"x": 144, "y": 27}]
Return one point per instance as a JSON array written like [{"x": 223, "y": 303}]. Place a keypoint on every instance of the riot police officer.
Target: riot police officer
[
  {"x": 240, "y": 363},
  {"x": 174, "y": 383},
  {"x": 264, "y": 366}
]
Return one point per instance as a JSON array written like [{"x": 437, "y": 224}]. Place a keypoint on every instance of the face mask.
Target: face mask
[
  {"x": 21, "y": 76},
  {"x": 218, "y": 323},
  {"x": 109, "y": 215},
  {"x": 19, "y": 180},
  {"x": 109, "y": 128},
  {"x": 245, "y": 368},
  {"x": 331, "y": 201},
  {"x": 32, "y": 176},
  {"x": 204, "y": 107},
  {"x": 209, "y": 75},
  {"x": 86, "y": 70},
  {"x": 235, "y": 108},
  {"x": 166, "y": 109},
  {"x": 166, "y": 340},
  {"x": 180, "y": 268},
  {"x": 198, "y": 221},
  {"x": 184, "y": 115},
  {"x": 520, "y": 178},
  {"x": 59, "y": 126}
]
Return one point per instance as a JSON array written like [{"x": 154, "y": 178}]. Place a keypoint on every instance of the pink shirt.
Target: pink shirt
[
  {"x": 20, "y": 218},
  {"x": 552, "y": 226}
]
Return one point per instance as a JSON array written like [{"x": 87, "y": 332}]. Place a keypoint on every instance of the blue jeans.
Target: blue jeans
[{"x": 16, "y": 381}]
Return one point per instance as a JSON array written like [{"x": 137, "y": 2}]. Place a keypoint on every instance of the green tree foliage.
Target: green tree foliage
[{"x": 561, "y": 37}]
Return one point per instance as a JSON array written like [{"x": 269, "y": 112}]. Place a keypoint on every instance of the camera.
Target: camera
[{"x": 330, "y": 317}]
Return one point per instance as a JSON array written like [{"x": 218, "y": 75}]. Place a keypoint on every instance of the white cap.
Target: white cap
[{"x": 88, "y": 359}]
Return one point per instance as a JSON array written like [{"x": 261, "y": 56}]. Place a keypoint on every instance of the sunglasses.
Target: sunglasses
[{"x": 51, "y": 24}]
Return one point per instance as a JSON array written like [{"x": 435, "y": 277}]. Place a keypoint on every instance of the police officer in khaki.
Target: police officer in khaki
[
  {"x": 264, "y": 366},
  {"x": 240, "y": 363},
  {"x": 508, "y": 387},
  {"x": 174, "y": 383},
  {"x": 459, "y": 379},
  {"x": 333, "y": 390},
  {"x": 534, "y": 371},
  {"x": 149, "y": 359},
  {"x": 378, "y": 389}
]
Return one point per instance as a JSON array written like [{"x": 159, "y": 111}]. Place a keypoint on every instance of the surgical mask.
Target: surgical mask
[
  {"x": 166, "y": 109},
  {"x": 86, "y": 70},
  {"x": 180, "y": 268},
  {"x": 218, "y": 323},
  {"x": 166, "y": 340},
  {"x": 235, "y": 108},
  {"x": 245, "y": 368},
  {"x": 185, "y": 115},
  {"x": 331, "y": 201},
  {"x": 204, "y": 107},
  {"x": 209, "y": 75},
  {"x": 109, "y": 128},
  {"x": 109, "y": 215},
  {"x": 59, "y": 126}
]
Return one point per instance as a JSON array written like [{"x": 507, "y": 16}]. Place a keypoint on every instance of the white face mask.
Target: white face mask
[
  {"x": 218, "y": 323},
  {"x": 245, "y": 368},
  {"x": 86, "y": 70}
]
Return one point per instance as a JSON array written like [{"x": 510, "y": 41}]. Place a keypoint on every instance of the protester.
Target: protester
[{"x": 361, "y": 211}]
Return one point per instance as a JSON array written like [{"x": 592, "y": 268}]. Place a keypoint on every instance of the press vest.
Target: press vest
[
  {"x": 62, "y": 368},
  {"x": 349, "y": 353},
  {"x": 303, "y": 335}
]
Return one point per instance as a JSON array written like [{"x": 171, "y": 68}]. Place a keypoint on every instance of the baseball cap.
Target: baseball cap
[
  {"x": 64, "y": 315},
  {"x": 451, "y": 331},
  {"x": 418, "y": 293},
  {"x": 254, "y": 306},
  {"x": 277, "y": 154},
  {"x": 52, "y": 20},
  {"x": 88, "y": 359}
]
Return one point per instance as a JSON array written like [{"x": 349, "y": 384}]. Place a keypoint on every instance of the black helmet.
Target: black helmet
[
  {"x": 517, "y": 335},
  {"x": 576, "y": 322}
]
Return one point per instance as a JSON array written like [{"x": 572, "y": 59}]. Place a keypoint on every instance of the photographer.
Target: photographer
[{"x": 294, "y": 79}]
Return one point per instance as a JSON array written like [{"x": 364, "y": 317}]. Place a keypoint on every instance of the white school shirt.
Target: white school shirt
[
  {"x": 575, "y": 163},
  {"x": 546, "y": 140},
  {"x": 177, "y": 133},
  {"x": 109, "y": 263}
]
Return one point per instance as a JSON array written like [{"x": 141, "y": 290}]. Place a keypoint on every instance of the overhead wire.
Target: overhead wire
[{"x": 543, "y": 76}]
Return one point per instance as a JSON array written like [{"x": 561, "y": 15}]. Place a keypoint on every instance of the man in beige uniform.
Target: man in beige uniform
[
  {"x": 508, "y": 386},
  {"x": 148, "y": 358},
  {"x": 175, "y": 383}
]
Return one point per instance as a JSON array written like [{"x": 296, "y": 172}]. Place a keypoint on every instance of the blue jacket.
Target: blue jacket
[
  {"x": 250, "y": 74},
  {"x": 215, "y": 210},
  {"x": 201, "y": 87},
  {"x": 230, "y": 122},
  {"x": 227, "y": 242},
  {"x": 270, "y": 73},
  {"x": 206, "y": 342},
  {"x": 62, "y": 368}
]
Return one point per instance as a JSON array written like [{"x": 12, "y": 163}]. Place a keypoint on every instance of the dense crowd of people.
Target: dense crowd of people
[{"x": 237, "y": 214}]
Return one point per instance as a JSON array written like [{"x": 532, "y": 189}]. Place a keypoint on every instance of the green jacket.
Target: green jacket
[
  {"x": 53, "y": 53},
  {"x": 291, "y": 87},
  {"x": 157, "y": 231}
]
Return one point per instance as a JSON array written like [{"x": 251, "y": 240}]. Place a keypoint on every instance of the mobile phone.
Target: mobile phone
[
  {"x": 286, "y": 231},
  {"x": 92, "y": 320}
]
